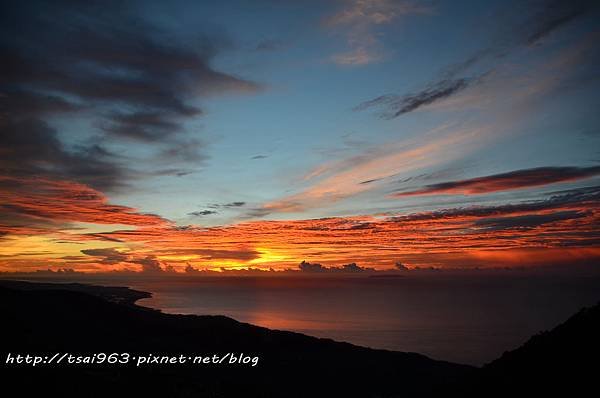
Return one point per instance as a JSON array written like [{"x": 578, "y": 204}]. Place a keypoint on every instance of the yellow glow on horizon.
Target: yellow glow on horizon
[
  {"x": 46, "y": 248},
  {"x": 269, "y": 256},
  {"x": 178, "y": 257}
]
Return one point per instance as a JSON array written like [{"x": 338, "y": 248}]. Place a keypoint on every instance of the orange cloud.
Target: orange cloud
[
  {"x": 30, "y": 205},
  {"x": 518, "y": 234},
  {"x": 476, "y": 236}
]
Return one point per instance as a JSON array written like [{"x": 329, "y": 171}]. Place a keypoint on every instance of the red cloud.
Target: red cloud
[
  {"x": 35, "y": 203},
  {"x": 565, "y": 225},
  {"x": 518, "y": 179}
]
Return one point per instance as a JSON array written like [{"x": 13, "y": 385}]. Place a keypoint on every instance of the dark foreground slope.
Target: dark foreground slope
[
  {"x": 48, "y": 319},
  {"x": 562, "y": 362}
]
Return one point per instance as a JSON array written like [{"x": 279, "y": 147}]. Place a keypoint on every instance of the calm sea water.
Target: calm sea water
[{"x": 468, "y": 320}]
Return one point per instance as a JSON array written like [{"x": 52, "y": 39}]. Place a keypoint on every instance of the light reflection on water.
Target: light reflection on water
[{"x": 468, "y": 320}]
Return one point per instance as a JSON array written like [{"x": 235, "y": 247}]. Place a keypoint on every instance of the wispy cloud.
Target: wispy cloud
[
  {"x": 551, "y": 16},
  {"x": 544, "y": 19},
  {"x": 398, "y": 105},
  {"x": 518, "y": 179},
  {"x": 359, "y": 20},
  {"x": 349, "y": 177}
]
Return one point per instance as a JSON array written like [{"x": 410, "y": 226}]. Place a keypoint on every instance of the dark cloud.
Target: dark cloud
[
  {"x": 132, "y": 79},
  {"x": 202, "y": 213},
  {"x": 318, "y": 268},
  {"x": 30, "y": 146},
  {"x": 143, "y": 125},
  {"x": 362, "y": 225},
  {"x": 234, "y": 204},
  {"x": 398, "y": 105},
  {"x": 308, "y": 267},
  {"x": 369, "y": 181},
  {"x": 553, "y": 16},
  {"x": 108, "y": 255},
  {"x": 576, "y": 197},
  {"x": 101, "y": 236},
  {"x": 191, "y": 270},
  {"x": 544, "y": 18},
  {"x": 150, "y": 265},
  {"x": 183, "y": 149},
  {"x": 216, "y": 254},
  {"x": 256, "y": 157},
  {"x": 21, "y": 103},
  {"x": 518, "y": 179},
  {"x": 528, "y": 221},
  {"x": 227, "y": 205},
  {"x": 104, "y": 52},
  {"x": 352, "y": 267},
  {"x": 257, "y": 212},
  {"x": 177, "y": 172}
]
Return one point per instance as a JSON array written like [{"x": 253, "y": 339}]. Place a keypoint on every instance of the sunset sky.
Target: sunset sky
[{"x": 180, "y": 136}]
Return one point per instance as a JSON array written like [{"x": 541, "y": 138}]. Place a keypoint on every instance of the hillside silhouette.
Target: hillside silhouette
[
  {"x": 77, "y": 318},
  {"x": 560, "y": 362}
]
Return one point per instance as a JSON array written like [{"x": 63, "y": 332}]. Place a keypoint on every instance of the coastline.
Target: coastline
[
  {"x": 50, "y": 319},
  {"x": 117, "y": 294}
]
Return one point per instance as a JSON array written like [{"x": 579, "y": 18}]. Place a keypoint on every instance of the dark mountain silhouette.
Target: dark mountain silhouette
[
  {"x": 48, "y": 318},
  {"x": 560, "y": 362}
]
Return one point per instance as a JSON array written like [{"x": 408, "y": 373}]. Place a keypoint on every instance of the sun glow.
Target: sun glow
[{"x": 269, "y": 256}]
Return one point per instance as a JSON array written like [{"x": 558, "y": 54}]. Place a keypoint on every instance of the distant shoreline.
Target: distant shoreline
[{"x": 117, "y": 294}]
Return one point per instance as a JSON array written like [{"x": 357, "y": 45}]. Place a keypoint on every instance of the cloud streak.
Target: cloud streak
[
  {"x": 108, "y": 255},
  {"x": 399, "y": 105},
  {"x": 352, "y": 176},
  {"x": 545, "y": 19},
  {"x": 553, "y": 16},
  {"x": 28, "y": 203},
  {"x": 518, "y": 179}
]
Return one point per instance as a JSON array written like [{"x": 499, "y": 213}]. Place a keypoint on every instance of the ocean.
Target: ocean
[{"x": 470, "y": 320}]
